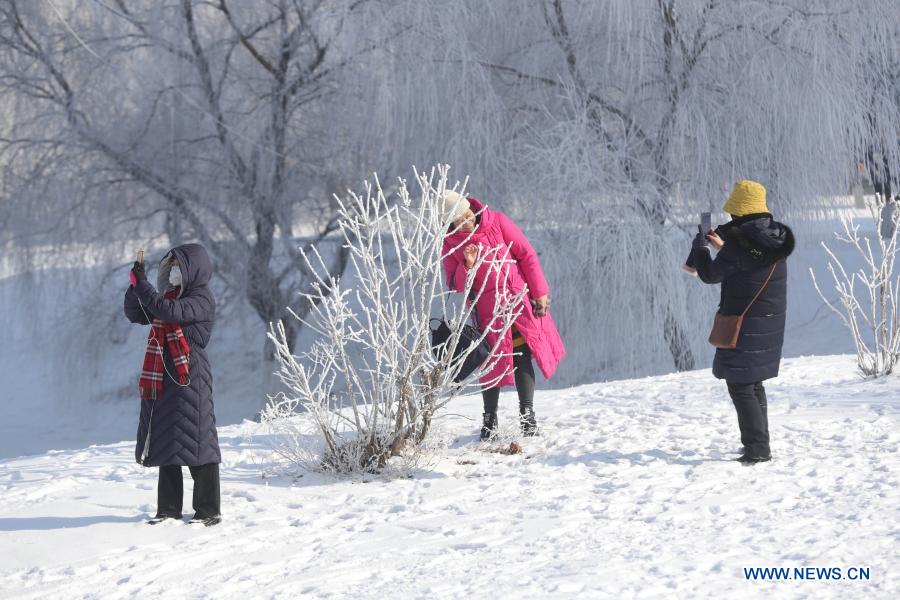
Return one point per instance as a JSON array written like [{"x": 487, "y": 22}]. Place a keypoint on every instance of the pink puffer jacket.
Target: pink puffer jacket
[{"x": 496, "y": 230}]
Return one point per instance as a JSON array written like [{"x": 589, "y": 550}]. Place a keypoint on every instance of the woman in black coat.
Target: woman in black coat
[
  {"x": 179, "y": 427},
  {"x": 752, "y": 248}
]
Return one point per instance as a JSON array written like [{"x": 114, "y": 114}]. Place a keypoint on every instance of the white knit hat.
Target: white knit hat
[{"x": 454, "y": 205}]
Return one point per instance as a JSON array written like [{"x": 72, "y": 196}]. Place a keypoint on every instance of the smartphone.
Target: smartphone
[
  {"x": 140, "y": 256},
  {"x": 705, "y": 222}
]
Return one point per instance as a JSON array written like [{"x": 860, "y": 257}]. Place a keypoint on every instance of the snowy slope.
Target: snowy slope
[{"x": 630, "y": 493}]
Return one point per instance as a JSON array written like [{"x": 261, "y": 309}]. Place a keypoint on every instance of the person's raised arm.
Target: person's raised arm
[
  {"x": 709, "y": 270},
  {"x": 454, "y": 270},
  {"x": 457, "y": 271},
  {"x": 133, "y": 310},
  {"x": 183, "y": 311}
]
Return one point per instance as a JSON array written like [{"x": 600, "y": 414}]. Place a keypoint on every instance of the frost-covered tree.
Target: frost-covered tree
[
  {"x": 217, "y": 115},
  {"x": 603, "y": 128},
  {"x": 371, "y": 385},
  {"x": 606, "y": 127}
]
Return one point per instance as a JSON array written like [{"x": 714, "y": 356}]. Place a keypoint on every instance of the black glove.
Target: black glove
[
  {"x": 700, "y": 242},
  {"x": 139, "y": 273}
]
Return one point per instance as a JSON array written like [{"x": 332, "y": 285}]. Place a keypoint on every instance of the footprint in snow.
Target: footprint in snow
[{"x": 243, "y": 494}]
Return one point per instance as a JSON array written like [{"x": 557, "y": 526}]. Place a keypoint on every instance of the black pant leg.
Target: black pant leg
[
  {"x": 491, "y": 399},
  {"x": 206, "y": 498},
  {"x": 169, "y": 491},
  {"x": 754, "y": 434},
  {"x": 763, "y": 407},
  {"x": 524, "y": 376}
]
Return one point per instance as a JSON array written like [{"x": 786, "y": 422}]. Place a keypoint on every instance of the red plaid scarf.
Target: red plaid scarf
[{"x": 151, "y": 382}]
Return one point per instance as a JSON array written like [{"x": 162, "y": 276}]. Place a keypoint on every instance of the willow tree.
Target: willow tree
[
  {"x": 602, "y": 127},
  {"x": 218, "y": 115},
  {"x": 606, "y": 127}
]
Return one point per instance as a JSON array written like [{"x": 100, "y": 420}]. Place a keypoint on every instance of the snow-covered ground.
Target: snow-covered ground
[{"x": 629, "y": 493}]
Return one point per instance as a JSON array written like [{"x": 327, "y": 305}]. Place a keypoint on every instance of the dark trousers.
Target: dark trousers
[
  {"x": 524, "y": 376},
  {"x": 752, "y": 412},
  {"x": 170, "y": 492}
]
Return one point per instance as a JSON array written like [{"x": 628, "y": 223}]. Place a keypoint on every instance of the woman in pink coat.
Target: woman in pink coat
[{"x": 475, "y": 230}]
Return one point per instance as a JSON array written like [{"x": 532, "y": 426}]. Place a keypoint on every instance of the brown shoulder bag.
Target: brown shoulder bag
[{"x": 727, "y": 328}]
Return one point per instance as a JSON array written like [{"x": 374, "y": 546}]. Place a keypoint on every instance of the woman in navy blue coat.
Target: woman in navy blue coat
[
  {"x": 751, "y": 246},
  {"x": 179, "y": 428}
]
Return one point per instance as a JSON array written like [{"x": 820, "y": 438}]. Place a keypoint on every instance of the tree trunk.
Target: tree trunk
[{"x": 678, "y": 343}]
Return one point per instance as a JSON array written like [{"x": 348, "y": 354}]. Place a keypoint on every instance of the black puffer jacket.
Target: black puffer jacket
[
  {"x": 182, "y": 429},
  {"x": 753, "y": 244}
]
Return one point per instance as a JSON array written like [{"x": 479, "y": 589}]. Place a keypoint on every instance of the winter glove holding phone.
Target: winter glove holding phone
[
  {"x": 700, "y": 242},
  {"x": 137, "y": 273}
]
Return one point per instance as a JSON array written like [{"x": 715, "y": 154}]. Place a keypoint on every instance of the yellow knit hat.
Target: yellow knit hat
[{"x": 747, "y": 198}]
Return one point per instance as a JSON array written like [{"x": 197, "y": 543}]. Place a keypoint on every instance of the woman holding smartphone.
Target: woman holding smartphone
[
  {"x": 752, "y": 270},
  {"x": 178, "y": 423}
]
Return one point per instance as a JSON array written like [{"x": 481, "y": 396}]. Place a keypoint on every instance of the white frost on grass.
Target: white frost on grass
[{"x": 630, "y": 492}]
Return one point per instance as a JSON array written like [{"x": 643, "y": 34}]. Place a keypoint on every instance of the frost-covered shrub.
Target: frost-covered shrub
[
  {"x": 370, "y": 386},
  {"x": 869, "y": 297}
]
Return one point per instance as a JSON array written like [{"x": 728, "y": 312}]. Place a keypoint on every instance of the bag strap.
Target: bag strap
[{"x": 772, "y": 272}]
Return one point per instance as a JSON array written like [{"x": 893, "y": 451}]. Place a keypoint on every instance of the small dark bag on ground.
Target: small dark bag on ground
[{"x": 467, "y": 339}]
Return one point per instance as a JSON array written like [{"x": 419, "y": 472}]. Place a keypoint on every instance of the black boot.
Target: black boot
[
  {"x": 489, "y": 426},
  {"x": 751, "y": 459},
  {"x": 208, "y": 521},
  {"x": 160, "y": 518},
  {"x": 529, "y": 423}
]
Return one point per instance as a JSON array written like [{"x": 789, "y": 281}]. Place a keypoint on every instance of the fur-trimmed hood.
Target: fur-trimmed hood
[{"x": 760, "y": 238}]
